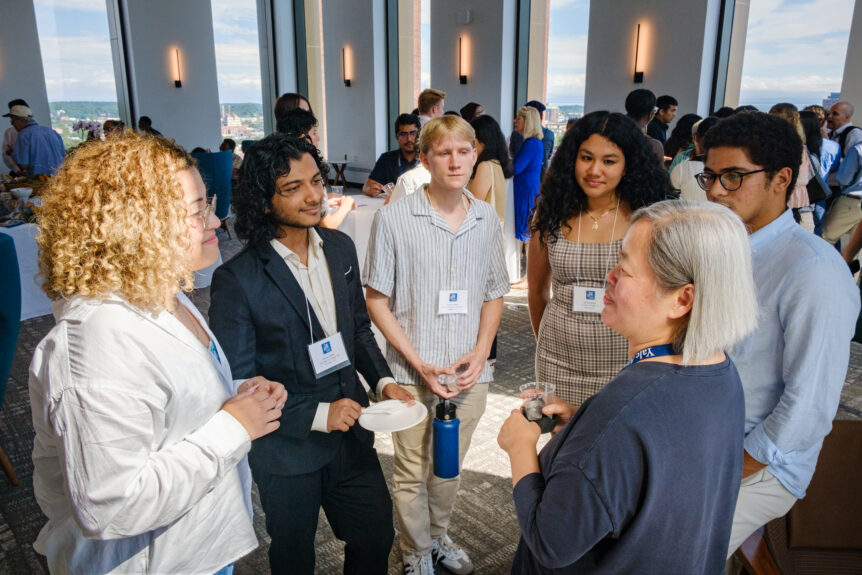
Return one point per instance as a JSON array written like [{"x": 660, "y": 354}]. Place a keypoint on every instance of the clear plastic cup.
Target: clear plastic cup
[{"x": 536, "y": 395}]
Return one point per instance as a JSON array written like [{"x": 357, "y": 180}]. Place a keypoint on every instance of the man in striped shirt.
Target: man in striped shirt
[{"x": 435, "y": 278}]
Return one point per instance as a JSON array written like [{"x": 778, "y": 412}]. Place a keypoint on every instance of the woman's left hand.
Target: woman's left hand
[
  {"x": 518, "y": 432},
  {"x": 273, "y": 388}
]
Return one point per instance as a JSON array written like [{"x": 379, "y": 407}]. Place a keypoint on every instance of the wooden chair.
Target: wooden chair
[
  {"x": 10, "y": 320},
  {"x": 822, "y": 533}
]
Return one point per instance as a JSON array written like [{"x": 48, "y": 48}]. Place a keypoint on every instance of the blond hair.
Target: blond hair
[
  {"x": 706, "y": 245},
  {"x": 449, "y": 125},
  {"x": 532, "y": 122},
  {"x": 429, "y": 98},
  {"x": 790, "y": 113},
  {"x": 113, "y": 221}
]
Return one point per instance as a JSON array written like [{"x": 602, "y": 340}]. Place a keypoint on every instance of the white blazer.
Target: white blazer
[{"x": 135, "y": 465}]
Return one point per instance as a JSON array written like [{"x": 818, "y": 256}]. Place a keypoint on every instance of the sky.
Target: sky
[{"x": 795, "y": 50}]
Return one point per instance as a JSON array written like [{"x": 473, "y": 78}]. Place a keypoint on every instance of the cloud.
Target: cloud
[
  {"x": 557, "y": 4},
  {"x": 84, "y": 5},
  {"x": 78, "y": 68}
]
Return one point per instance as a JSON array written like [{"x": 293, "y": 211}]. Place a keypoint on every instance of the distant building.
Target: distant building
[
  {"x": 231, "y": 125},
  {"x": 833, "y": 98}
]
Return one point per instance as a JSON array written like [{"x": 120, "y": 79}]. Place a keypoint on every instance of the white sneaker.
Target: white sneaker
[
  {"x": 452, "y": 557},
  {"x": 418, "y": 564}
]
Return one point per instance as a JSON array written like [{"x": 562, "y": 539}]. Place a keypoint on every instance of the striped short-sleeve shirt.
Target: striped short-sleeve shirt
[{"x": 413, "y": 255}]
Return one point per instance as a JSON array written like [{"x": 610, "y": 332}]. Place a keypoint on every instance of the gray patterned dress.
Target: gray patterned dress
[{"x": 575, "y": 350}]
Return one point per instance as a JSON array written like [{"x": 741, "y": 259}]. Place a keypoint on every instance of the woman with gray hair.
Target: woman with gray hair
[{"x": 643, "y": 478}]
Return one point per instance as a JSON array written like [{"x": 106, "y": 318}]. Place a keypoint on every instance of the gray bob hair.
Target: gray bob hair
[{"x": 706, "y": 245}]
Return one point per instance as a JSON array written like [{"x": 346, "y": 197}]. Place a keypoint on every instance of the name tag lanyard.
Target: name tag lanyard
[
  {"x": 328, "y": 354},
  {"x": 607, "y": 265}
]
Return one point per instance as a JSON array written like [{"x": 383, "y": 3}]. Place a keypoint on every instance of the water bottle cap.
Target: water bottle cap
[{"x": 446, "y": 411}]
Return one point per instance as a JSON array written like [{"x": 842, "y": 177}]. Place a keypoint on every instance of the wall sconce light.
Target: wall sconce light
[
  {"x": 178, "y": 81},
  {"x": 347, "y": 67},
  {"x": 462, "y": 61},
  {"x": 639, "y": 73}
]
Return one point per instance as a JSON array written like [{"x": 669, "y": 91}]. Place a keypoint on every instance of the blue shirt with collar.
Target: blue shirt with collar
[
  {"x": 849, "y": 173},
  {"x": 39, "y": 148},
  {"x": 794, "y": 364}
]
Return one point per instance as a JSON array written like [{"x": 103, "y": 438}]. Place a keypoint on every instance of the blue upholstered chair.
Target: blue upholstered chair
[
  {"x": 216, "y": 170},
  {"x": 10, "y": 318}
]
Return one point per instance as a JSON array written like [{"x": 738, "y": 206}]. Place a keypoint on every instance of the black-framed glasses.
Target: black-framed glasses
[
  {"x": 405, "y": 135},
  {"x": 730, "y": 181}
]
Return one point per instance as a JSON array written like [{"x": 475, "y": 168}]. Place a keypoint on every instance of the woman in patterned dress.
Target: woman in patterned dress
[{"x": 603, "y": 171}]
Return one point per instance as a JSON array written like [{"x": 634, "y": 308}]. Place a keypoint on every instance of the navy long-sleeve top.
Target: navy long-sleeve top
[{"x": 643, "y": 479}]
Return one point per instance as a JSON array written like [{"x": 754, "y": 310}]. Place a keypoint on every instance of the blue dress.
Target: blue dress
[{"x": 528, "y": 169}]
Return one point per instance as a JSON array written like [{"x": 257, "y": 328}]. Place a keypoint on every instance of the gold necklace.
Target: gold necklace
[{"x": 596, "y": 219}]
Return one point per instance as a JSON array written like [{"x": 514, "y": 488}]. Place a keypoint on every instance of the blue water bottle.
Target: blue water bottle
[{"x": 446, "y": 425}]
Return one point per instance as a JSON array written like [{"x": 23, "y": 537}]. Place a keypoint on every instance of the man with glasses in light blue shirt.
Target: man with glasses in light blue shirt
[{"x": 794, "y": 365}]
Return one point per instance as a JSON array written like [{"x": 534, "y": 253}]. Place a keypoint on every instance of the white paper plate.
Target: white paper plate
[{"x": 399, "y": 416}]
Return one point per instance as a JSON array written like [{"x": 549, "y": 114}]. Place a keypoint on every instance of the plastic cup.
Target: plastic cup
[{"x": 536, "y": 395}]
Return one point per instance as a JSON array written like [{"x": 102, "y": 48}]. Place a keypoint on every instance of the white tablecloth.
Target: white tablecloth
[
  {"x": 358, "y": 222},
  {"x": 34, "y": 302}
]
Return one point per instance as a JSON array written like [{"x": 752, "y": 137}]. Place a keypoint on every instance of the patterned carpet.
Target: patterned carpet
[{"x": 484, "y": 520}]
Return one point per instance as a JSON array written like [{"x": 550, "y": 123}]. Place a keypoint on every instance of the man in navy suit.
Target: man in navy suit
[{"x": 290, "y": 307}]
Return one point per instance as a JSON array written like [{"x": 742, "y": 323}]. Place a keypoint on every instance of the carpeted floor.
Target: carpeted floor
[{"x": 484, "y": 520}]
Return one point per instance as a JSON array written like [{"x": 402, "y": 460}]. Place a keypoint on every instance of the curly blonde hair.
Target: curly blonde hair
[{"x": 113, "y": 221}]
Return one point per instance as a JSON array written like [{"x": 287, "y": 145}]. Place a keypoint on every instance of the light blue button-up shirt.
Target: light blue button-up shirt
[
  {"x": 849, "y": 173},
  {"x": 794, "y": 364}
]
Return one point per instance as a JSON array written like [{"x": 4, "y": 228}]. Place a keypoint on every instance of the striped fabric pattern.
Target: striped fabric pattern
[{"x": 413, "y": 255}]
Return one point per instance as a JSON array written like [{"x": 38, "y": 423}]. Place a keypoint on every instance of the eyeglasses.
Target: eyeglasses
[
  {"x": 199, "y": 220},
  {"x": 405, "y": 135},
  {"x": 730, "y": 181}
]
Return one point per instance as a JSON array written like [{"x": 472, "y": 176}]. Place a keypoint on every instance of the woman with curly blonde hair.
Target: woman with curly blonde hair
[{"x": 141, "y": 432}]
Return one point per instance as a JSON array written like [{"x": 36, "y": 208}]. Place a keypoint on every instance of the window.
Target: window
[
  {"x": 425, "y": 45},
  {"x": 794, "y": 51},
  {"x": 238, "y": 66},
  {"x": 79, "y": 72},
  {"x": 567, "y": 63}
]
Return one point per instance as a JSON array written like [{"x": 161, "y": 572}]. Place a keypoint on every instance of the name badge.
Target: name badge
[
  {"x": 452, "y": 302},
  {"x": 328, "y": 355},
  {"x": 587, "y": 299}
]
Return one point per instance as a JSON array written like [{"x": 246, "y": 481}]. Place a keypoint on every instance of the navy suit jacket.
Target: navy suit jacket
[{"x": 258, "y": 313}]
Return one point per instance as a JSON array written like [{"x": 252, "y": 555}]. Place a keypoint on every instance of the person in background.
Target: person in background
[
  {"x": 493, "y": 166},
  {"x": 680, "y": 144},
  {"x": 602, "y": 172},
  {"x": 527, "y": 165},
  {"x": 437, "y": 244},
  {"x": 9, "y": 137},
  {"x": 145, "y": 126},
  {"x": 301, "y": 124},
  {"x": 640, "y": 107},
  {"x": 682, "y": 177},
  {"x": 823, "y": 158},
  {"x": 287, "y": 102},
  {"x": 657, "y": 128},
  {"x": 392, "y": 164},
  {"x": 38, "y": 149},
  {"x": 141, "y": 429},
  {"x": 431, "y": 104},
  {"x": 113, "y": 128},
  {"x": 472, "y": 111},
  {"x": 643, "y": 477},
  {"x": 727, "y": 111},
  {"x": 548, "y": 138},
  {"x": 296, "y": 284},
  {"x": 792, "y": 389},
  {"x": 798, "y": 200},
  {"x": 229, "y": 145}
]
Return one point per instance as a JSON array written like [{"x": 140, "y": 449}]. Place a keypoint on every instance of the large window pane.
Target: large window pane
[
  {"x": 79, "y": 71},
  {"x": 567, "y": 62},
  {"x": 238, "y": 65},
  {"x": 425, "y": 48},
  {"x": 794, "y": 51}
]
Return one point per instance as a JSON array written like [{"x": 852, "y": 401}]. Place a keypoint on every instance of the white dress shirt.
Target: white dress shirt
[
  {"x": 136, "y": 466},
  {"x": 316, "y": 284}
]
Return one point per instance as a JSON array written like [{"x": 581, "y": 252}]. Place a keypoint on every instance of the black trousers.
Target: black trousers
[{"x": 353, "y": 493}]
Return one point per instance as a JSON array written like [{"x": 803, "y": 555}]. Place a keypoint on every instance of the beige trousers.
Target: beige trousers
[
  {"x": 761, "y": 499},
  {"x": 423, "y": 501},
  {"x": 843, "y": 215}
]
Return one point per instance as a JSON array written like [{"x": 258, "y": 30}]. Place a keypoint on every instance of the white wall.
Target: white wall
[
  {"x": 189, "y": 114},
  {"x": 21, "y": 72},
  {"x": 678, "y": 39},
  {"x": 851, "y": 86},
  {"x": 356, "y": 120},
  {"x": 489, "y": 38}
]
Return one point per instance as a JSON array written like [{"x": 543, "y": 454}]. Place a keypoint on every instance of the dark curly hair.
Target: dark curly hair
[
  {"x": 644, "y": 180},
  {"x": 266, "y": 161},
  {"x": 681, "y": 135},
  {"x": 771, "y": 142},
  {"x": 296, "y": 122},
  {"x": 489, "y": 133}
]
